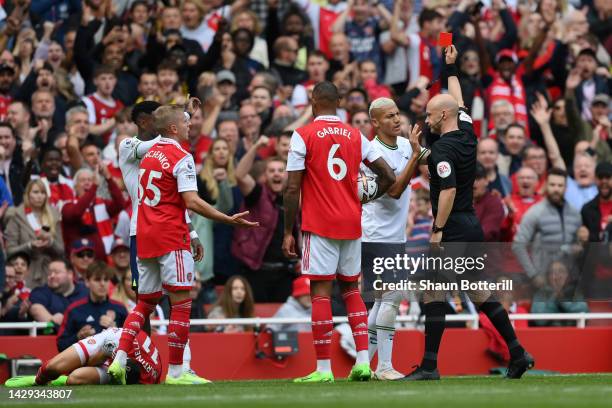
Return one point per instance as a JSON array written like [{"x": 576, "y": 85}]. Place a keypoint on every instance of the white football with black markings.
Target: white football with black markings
[{"x": 366, "y": 187}]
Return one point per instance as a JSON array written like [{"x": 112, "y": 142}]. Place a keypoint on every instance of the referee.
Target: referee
[{"x": 452, "y": 166}]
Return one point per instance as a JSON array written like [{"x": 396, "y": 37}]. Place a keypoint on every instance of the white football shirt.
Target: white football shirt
[
  {"x": 384, "y": 219},
  {"x": 131, "y": 151}
]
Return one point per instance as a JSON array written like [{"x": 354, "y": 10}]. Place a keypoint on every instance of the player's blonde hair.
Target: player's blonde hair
[
  {"x": 381, "y": 103},
  {"x": 164, "y": 116}
]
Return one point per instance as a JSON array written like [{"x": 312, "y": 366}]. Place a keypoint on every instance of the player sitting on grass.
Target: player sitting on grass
[{"x": 86, "y": 363}]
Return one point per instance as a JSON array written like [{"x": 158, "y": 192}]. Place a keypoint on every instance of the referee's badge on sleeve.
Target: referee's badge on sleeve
[{"x": 444, "y": 169}]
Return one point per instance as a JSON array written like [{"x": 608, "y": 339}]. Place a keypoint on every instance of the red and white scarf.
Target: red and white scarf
[
  {"x": 32, "y": 220},
  {"x": 103, "y": 223}
]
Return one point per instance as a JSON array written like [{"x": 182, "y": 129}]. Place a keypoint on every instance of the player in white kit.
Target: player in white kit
[{"x": 383, "y": 223}]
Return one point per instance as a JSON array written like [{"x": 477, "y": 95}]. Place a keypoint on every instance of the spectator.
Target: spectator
[
  {"x": 597, "y": 213},
  {"x": 558, "y": 296},
  {"x": 298, "y": 305},
  {"x": 81, "y": 256},
  {"x": 101, "y": 106},
  {"x": 596, "y": 131},
  {"x": 581, "y": 188},
  {"x": 547, "y": 227},
  {"x": 361, "y": 120},
  {"x": 420, "y": 221},
  {"x": 61, "y": 188},
  {"x": 14, "y": 299},
  {"x": 511, "y": 148},
  {"x": 521, "y": 200},
  {"x": 34, "y": 228},
  {"x": 488, "y": 206},
  {"x": 50, "y": 301},
  {"x": 363, "y": 28},
  {"x": 216, "y": 185},
  {"x": 592, "y": 83},
  {"x": 286, "y": 53},
  {"x": 18, "y": 115},
  {"x": 259, "y": 249},
  {"x": 94, "y": 313},
  {"x": 236, "y": 301},
  {"x": 368, "y": 76},
  {"x": 120, "y": 255},
  {"x": 11, "y": 163},
  {"x": 247, "y": 19},
  {"x": 90, "y": 216},
  {"x": 487, "y": 154},
  {"x": 502, "y": 115}
]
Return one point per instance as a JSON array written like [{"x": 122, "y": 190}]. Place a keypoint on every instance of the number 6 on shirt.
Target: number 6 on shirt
[
  {"x": 335, "y": 161},
  {"x": 150, "y": 187}
]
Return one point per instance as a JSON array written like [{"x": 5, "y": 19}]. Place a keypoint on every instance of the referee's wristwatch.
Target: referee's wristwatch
[{"x": 435, "y": 229}]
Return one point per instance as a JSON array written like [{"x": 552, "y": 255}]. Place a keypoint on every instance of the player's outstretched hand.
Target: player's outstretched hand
[
  {"x": 451, "y": 54},
  {"x": 198, "y": 249},
  {"x": 414, "y": 136},
  {"x": 238, "y": 219},
  {"x": 289, "y": 246},
  {"x": 193, "y": 105}
]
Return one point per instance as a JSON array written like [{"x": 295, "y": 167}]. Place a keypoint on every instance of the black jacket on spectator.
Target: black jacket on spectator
[
  {"x": 591, "y": 218},
  {"x": 16, "y": 178},
  {"x": 602, "y": 86},
  {"x": 126, "y": 89},
  {"x": 85, "y": 312}
]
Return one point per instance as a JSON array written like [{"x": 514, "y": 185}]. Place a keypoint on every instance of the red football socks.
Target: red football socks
[
  {"x": 178, "y": 331},
  {"x": 358, "y": 318},
  {"x": 322, "y": 326},
  {"x": 134, "y": 323}
]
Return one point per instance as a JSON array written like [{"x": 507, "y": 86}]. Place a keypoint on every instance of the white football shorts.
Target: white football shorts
[
  {"x": 327, "y": 258},
  {"x": 173, "y": 272}
]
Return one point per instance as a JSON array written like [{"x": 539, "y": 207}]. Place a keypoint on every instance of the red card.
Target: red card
[{"x": 445, "y": 40}]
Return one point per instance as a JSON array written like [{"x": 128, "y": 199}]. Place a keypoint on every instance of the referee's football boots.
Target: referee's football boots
[
  {"x": 420, "y": 374},
  {"x": 517, "y": 367}
]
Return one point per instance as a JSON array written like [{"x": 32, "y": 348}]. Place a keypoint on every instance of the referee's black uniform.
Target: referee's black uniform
[{"x": 452, "y": 163}]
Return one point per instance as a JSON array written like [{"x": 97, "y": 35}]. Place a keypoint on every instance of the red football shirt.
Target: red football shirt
[
  {"x": 165, "y": 171},
  {"x": 330, "y": 153},
  {"x": 145, "y": 353},
  {"x": 100, "y": 110}
]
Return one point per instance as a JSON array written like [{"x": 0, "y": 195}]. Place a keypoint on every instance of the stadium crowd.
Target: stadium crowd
[{"x": 535, "y": 76}]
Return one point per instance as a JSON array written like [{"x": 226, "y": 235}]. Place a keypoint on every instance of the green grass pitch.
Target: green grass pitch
[{"x": 454, "y": 392}]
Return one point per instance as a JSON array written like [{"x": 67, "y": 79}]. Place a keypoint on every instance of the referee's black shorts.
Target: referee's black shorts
[{"x": 462, "y": 227}]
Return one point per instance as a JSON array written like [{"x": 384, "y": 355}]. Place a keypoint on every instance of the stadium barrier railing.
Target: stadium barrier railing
[{"x": 580, "y": 318}]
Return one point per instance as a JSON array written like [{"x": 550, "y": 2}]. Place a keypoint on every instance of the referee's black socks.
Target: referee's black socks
[
  {"x": 499, "y": 317},
  {"x": 435, "y": 319}
]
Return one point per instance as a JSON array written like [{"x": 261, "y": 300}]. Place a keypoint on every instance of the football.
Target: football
[{"x": 366, "y": 187}]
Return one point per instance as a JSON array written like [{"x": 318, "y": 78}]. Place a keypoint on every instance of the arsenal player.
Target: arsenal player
[
  {"x": 167, "y": 187},
  {"x": 86, "y": 362},
  {"x": 324, "y": 165}
]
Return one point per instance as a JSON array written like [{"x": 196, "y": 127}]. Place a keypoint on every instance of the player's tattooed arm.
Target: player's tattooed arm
[
  {"x": 403, "y": 181},
  {"x": 291, "y": 202},
  {"x": 385, "y": 177}
]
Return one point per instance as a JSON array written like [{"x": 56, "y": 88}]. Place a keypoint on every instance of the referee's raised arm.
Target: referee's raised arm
[{"x": 450, "y": 70}]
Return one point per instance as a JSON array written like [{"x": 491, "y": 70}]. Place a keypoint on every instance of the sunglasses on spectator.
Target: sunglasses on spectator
[
  {"x": 85, "y": 254},
  {"x": 293, "y": 50},
  {"x": 356, "y": 98}
]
